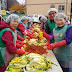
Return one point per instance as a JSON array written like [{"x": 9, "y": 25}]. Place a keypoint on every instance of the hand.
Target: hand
[
  {"x": 46, "y": 35},
  {"x": 30, "y": 35},
  {"x": 30, "y": 31},
  {"x": 47, "y": 44},
  {"x": 23, "y": 39},
  {"x": 20, "y": 44},
  {"x": 51, "y": 46},
  {"x": 20, "y": 52},
  {"x": 25, "y": 32}
]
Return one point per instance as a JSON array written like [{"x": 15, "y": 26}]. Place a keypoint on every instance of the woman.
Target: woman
[{"x": 8, "y": 38}]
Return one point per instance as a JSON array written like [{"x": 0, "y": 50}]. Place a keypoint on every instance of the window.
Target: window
[{"x": 61, "y": 7}]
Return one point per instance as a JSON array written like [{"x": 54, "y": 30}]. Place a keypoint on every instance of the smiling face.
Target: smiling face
[
  {"x": 60, "y": 22},
  {"x": 52, "y": 15},
  {"x": 14, "y": 24}
]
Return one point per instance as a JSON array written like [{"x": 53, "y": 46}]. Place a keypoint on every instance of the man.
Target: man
[{"x": 51, "y": 24}]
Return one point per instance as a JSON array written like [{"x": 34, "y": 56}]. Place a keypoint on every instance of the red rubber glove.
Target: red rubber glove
[
  {"x": 22, "y": 39},
  {"x": 17, "y": 41},
  {"x": 58, "y": 44},
  {"x": 48, "y": 43},
  {"x": 40, "y": 28},
  {"x": 20, "y": 52},
  {"x": 46, "y": 35},
  {"x": 30, "y": 35},
  {"x": 19, "y": 37},
  {"x": 20, "y": 44},
  {"x": 30, "y": 31}
]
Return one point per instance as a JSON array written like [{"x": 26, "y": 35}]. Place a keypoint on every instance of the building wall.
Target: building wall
[{"x": 42, "y": 6}]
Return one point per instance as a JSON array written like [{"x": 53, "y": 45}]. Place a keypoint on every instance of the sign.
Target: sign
[{"x": 3, "y": 12}]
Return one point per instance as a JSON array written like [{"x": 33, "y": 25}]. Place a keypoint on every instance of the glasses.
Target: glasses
[{"x": 52, "y": 14}]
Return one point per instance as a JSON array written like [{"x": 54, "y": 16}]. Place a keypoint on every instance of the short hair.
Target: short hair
[
  {"x": 60, "y": 15},
  {"x": 12, "y": 17}
]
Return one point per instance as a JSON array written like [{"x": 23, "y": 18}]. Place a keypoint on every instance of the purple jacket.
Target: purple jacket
[{"x": 68, "y": 37}]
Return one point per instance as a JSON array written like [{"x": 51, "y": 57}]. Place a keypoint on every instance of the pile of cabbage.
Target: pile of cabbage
[{"x": 29, "y": 63}]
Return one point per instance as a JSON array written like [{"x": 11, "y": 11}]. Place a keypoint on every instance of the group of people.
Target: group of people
[
  {"x": 11, "y": 38},
  {"x": 56, "y": 30}
]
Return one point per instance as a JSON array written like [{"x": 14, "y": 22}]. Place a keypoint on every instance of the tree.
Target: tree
[{"x": 20, "y": 8}]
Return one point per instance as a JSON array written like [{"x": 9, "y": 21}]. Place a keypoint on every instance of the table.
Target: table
[{"x": 50, "y": 55}]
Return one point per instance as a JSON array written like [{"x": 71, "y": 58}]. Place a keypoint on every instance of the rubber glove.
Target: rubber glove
[
  {"x": 19, "y": 37},
  {"x": 58, "y": 44},
  {"x": 46, "y": 35},
  {"x": 20, "y": 52},
  {"x": 30, "y": 35},
  {"x": 17, "y": 41},
  {"x": 48, "y": 43},
  {"x": 30, "y": 31},
  {"x": 20, "y": 44}
]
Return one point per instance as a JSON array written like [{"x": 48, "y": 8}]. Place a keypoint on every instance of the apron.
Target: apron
[
  {"x": 63, "y": 54},
  {"x": 19, "y": 32},
  {"x": 25, "y": 26},
  {"x": 51, "y": 27},
  {"x": 5, "y": 56}
]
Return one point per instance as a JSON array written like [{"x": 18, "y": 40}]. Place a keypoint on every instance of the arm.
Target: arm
[
  {"x": 8, "y": 40},
  {"x": 68, "y": 40},
  {"x": 47, "y": 36},
  {"x": 47, "y": 30},
  {"x": 68, "y": 37},
  {"x": 21, "y": 27},
  {"x": 19, "y": 44},
  {"x": 58, "y": 44},
  {"x": 19, "y": 37},
  {"x": 30, "y": 31}
]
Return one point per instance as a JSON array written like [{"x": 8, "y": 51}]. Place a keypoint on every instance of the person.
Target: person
[
  {"x": 44, "y": 20},
  {"x": 30, "y": 23},
  {"x": 62, "y": 47},
  {"x": 51, "y": 23},
  {"x": 8, "y": 38},
  {"x": 68, "y": 22},
  {"x": 22, "y": 26},
  {"x": 28, "y": 18}
]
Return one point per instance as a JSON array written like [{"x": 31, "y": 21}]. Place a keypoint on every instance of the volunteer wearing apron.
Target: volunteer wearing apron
[
  {"x": 22, "y": 26},
  {"x": 50, "y": 24},
  {"x": 62, "y": 47},
  {"x": 8, "y": 36}
]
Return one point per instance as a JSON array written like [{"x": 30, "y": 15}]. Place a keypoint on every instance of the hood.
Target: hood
[{"x": 5, "y": 25}]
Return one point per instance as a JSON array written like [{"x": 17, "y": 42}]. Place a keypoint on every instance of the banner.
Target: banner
[{"x": 3, "y": 12}]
